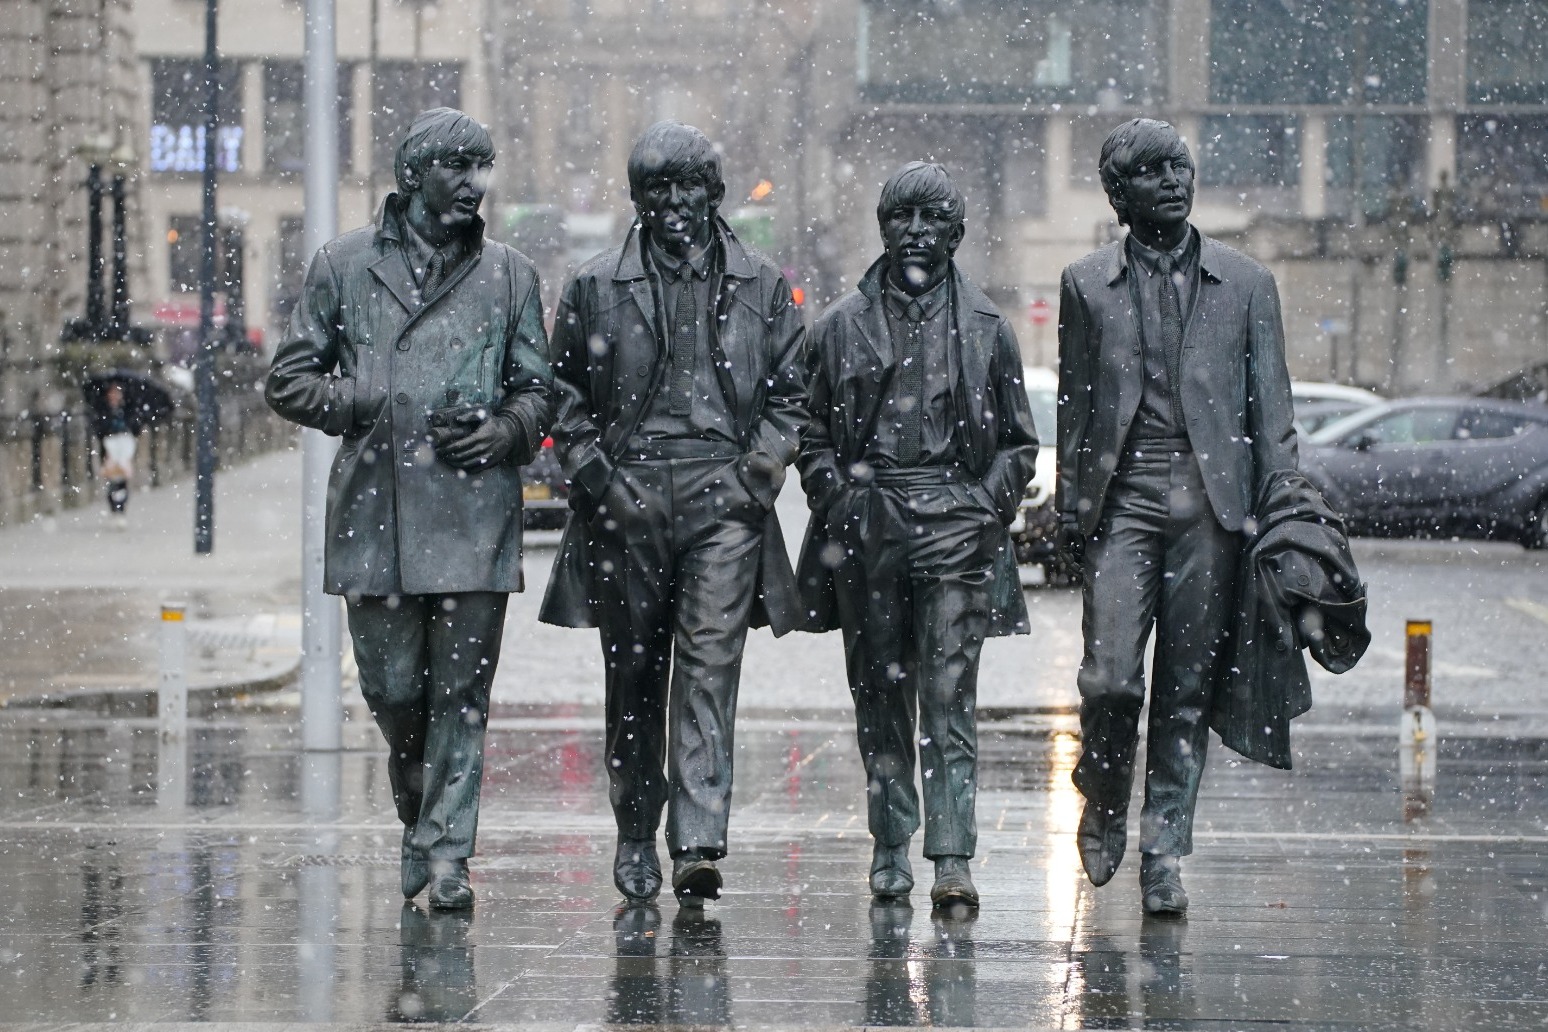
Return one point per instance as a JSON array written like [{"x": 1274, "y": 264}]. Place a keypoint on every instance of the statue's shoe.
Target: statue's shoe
[
  {"x": 450, "y": 888},
  {"x": 1101, "y": 838},
  {"x": 1161, "y": 888},
  {"x": 637, "y": 869},
  {"x": 891, "y": 875},
  {"x": 414, "y": 868},
  {"x": 953, "y": 883},
  {"x": 694, "y": 880}
]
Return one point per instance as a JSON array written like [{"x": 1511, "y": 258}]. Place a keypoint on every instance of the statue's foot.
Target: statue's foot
[
  {"x": 891, "y": 875},
  {"x": 695, "y": 879},
  {"x": 637, "y": 869},
  {"x": 953, "y": 883},
  {"x": 414, "y": 869},
  {"x": 450, "y": 888},
  {"x": 1161, "y": 888},
  {"x": 1101, "y": 838}
]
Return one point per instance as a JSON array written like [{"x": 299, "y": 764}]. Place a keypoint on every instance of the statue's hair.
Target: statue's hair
[
  {"x": 674, "y": 150},
  {"x": 440, "y": 133},
  {"x": 921, "y": 183},
  {"x": 1137, "y": 142}
]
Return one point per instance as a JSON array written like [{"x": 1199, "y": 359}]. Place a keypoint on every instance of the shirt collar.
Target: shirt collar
[
  {"x": 898, "y": 300},
  {"x": 1149, "y": 256},
  {"x": 419, "y": 251},
  {"x": 672, "y": 266}
]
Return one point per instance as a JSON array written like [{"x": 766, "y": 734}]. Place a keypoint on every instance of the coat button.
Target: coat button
[
  {"x": 402, "y": 398},
  {"x": 1124, "y": 421},
  {"x": 1279, "y": 646},
  {"x": 456, "y": 343},
  {"x": 643, "y": 370}
]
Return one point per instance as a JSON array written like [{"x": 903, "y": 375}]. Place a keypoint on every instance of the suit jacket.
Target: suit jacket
[
  {"x": 1298, "y": 588},
  {"x": 608, "y": 364},
  {"x": 852, "y": 366},
  {"x": 1234, "y": 386},
  {"x": 366, "y": 358}
]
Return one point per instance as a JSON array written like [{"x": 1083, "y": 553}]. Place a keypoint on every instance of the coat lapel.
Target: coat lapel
[
  {"x": 630, "y": 273},
  {"x": 1202, "y": 315},
  {"x": 393, "y": 272}
]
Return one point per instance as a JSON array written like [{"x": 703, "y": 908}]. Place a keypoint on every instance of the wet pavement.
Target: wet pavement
[{"x": 233, "y": 878}]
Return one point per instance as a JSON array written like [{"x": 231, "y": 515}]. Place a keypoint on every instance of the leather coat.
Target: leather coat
[
  {"x": 852, "y": 364},
  {"x": 608, "y": 365},
  {"x": 366, "y": 358},
  {"x": 1299, "y": 589},
  {"x": 1235, "y": 388}
]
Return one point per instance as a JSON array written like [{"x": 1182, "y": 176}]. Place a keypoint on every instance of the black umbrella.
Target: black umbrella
[{"x": 145, "y": 400}]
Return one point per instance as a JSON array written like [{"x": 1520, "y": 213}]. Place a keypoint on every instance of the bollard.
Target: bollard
[
  {"x": 172, "y": 697},
  {"x": 1417, "y": 732}
]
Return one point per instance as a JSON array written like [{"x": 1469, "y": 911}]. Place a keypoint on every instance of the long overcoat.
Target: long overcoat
[
  {"x": 853, "y": 366},
  {"x": 367, "y": 359},
  {"x": 1235, "y": 388},
  {"x": 607, "y": 352}
]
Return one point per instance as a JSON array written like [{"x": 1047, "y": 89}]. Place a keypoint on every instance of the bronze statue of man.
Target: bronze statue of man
[
  {"x": 918, "y": 452},
  {"x": 677, "y": 358},
  {"x": 421, "y": 344},
  {"x": 1174, "y": 411}
]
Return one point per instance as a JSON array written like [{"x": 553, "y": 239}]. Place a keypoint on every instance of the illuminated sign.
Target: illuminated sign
[{"x": 180, "y": 148}]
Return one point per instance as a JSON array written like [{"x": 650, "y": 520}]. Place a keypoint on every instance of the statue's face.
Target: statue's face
[
  {"x": 678, "y": 211},
  {"x": 451, "y": 188},
  {"x": 920, "y": 240},
  {"x": 1160, "y": 195}
]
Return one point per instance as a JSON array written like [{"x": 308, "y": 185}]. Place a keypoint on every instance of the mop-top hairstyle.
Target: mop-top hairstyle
[
  {"x": 920, "y": 184},
  {"x": 1135, "y": 143},
  {"x": 438, "y": 134},
  {"x": 674, "y": 150}
]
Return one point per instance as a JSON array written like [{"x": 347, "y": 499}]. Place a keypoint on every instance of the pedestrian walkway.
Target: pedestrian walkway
[
  {"x": 236, "y": 879},
  {"x": 80, "y": 593}
]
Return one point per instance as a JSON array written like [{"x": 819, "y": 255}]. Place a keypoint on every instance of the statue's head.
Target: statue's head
[
  {"x": 1147, "y": 173},
  {"x": 675, "y": 184},
  {"x": 921, "y": 218},
  {"x": 443, "y": 165}
]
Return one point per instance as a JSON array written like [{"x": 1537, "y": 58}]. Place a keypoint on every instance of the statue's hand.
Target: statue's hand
[
  {"x": 487, "y": 446},
  {"x": 1071, "y": 543}
]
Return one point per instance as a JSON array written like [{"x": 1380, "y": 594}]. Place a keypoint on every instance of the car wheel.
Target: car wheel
[{"x": 1535, "y": 534}]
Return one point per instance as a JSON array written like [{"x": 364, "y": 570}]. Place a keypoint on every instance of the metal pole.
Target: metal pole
[
  {"x": 322, "y": 726},
  {"x": 120, "y": 320},
  {"x": 94, "y": 319},
  {"x": 204, "y": 364}
]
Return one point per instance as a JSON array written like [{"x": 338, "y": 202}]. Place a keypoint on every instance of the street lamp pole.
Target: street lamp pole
[
  {"x": 321, "y": 631},
  {"x": 208, "y": 427}
]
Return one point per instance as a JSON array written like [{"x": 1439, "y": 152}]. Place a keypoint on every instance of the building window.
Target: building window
[
  {"x": 1249, "y": 150},
  {"x": 1389, "y": 151},
  {"x": 177, "y": 116},
  {"x": 988, "y": 52},
  {"x": 1318, "y": 52},
  {"x": 1506, "y": 61},
  {"x": 404, "y": 89},
  {"x": 284, "y": 133},
  {"x": 1502, "y": 164},
  {"x": 185, "y": 255}
]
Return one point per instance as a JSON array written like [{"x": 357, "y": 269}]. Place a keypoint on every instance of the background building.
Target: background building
[{"x": 1388, "y": 158}]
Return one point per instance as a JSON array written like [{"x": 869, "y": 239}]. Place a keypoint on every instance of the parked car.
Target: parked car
[
  {"x": 1319, "y": 404},
  {"x": 545, "y": 493},
  {"x": 1437, "y": 467},
  {"x": 1036, "y": 524}
]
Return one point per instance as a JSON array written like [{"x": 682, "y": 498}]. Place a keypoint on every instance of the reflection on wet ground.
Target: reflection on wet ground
[{"x": 234, "y": 878}]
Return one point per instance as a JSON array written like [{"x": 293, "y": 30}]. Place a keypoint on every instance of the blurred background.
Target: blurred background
[{"x": 1388, "y": 159}]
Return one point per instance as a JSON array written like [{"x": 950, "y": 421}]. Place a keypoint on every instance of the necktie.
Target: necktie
[
  {"x": 684, "y": 341},
  {"x": 435, "y": 272},
  {"x": 1171, "y": 335},
  {"x": 911, "y": 386}
]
